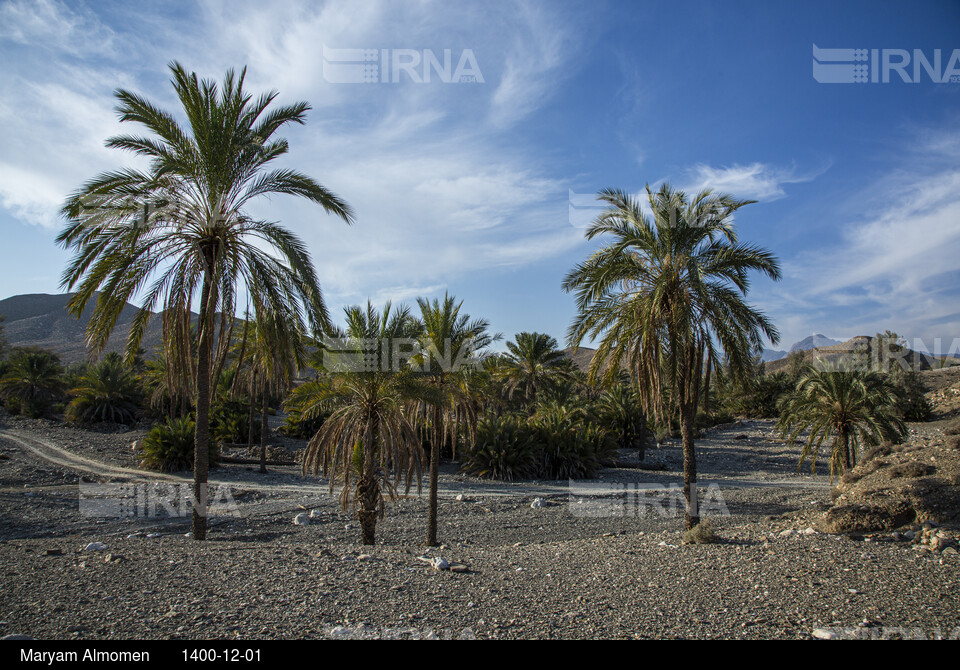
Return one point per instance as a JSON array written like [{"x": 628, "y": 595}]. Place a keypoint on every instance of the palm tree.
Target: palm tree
[
  {"x": 665, "y": 295},
  {"x": 273, "y": 352},
  {"x": 368, "y": 436},
  {"x": 107, "y": 392},
  {"x": 620, "y": 410},
  {"x": 450, "y": 342},
  {"x": 180, "y": 228},
  {"x": 534, "y": 363},
  {"x": 33, "y": 379},
  {"x": 852, "y": 409}
]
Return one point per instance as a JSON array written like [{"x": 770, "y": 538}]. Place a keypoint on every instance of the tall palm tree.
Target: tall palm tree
[
  {"x": 369, "y": 424},
  {"x": 664, "y": 295},
  {"x": 534, "y": 363},
  {"x": 180, "y": 228},
  {"x": 852, "y": 409},
  {"x": 450, "y": 342}
]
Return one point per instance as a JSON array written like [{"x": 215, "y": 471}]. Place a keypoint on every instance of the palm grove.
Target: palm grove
[{"x": 664, "y": 298}]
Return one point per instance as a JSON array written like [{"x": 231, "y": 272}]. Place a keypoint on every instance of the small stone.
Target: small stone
[
  {"x": 315, "y": 514},
  {"x": 302, "y": 519},
  {"x": 113, "y": 558},
  {"x": 824, "y": 634},
  {"x": 538, "y": 503},
  {"x": 53, "y": 552},
  {"x": 365, "y": 557},
  {"x": 95, "y": 546}
]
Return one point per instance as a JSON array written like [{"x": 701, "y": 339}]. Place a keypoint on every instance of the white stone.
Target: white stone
[
  {"x": 302, "y": 519},
  {"x": 95, "y": 546}
]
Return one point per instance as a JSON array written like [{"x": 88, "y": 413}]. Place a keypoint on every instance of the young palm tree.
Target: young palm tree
[
  {"x": 369, "y": 423},
  {"x": 272, "y": 352},
  {"x": 534, "y": 363},
  {"x": 664, "y": 295},
  {"x": 620, "y": 410},
  {"x": 180, "y": 228},
  {"x": 852, "y": 409},
  {"x": 34, "y": 378},
  {"x": 450, "y": 342},
  {"x": 107, "y": 392}
]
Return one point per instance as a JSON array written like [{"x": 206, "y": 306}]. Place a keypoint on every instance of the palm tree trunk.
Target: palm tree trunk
[
  {"x": 687, "y": 416},
  {"x": 432, "y": 540},
  {"x": 264, "y": 426},
  {"x": 201, "y": 453},
  {"x": 367, "y": 489},
  {"x": 250, "y": 415}
]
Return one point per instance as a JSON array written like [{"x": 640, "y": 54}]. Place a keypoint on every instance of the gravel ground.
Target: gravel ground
[{"x": 568, "y": 569}]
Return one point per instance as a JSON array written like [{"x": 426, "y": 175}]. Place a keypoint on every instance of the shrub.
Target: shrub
[
  {"x": 168, "y": 447},
  {"x": 230, "y": 422},
  {"x": 503, "y": 450},
  {"x": 301, "y": 426},
  {"x": 702, "y": 533},
  {"x": 912, "y": 403}
]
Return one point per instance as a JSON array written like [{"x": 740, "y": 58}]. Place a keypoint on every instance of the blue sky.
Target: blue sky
[{"x": 466, "y": 187}]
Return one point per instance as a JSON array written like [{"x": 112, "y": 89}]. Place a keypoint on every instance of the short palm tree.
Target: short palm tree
[
  {"x": 273, "y": 352},
  {"x": 33, "y": 379},
  {"x": 107, "y": 392},
  {"x": 849, "y": 409},
  {"x": 620, "y": 410},
  {"x": 369, "y": 424},
  {"x": 450, "y": 341},
  {"x": 665, "y": 294},
  {"x": 534, "y": 363},
  {"x": 180, "y": 229}
]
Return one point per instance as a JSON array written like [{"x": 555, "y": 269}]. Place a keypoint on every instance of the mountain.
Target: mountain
[
  {"x": 814, "y": 341},
  {"x": 861, "y": 348},
  {"x": 41, "y": 320},
  {"x": 772, "y": 355}
]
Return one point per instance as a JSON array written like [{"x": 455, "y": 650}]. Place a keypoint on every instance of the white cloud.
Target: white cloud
[{"x": 757, "y": 181}]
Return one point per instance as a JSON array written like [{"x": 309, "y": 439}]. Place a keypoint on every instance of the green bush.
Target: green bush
[
  {"x": 230, "y": 423},
  {"x": 168, "y": 447},
  {"x": 300, "y": 426},
  {"x": 503, "y": 450},
  {"x": 554, "y": 445}
]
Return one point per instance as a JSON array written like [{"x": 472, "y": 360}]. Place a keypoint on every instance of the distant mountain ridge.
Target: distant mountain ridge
[
  {"x": 42, "y": 320},
  {"x": 806, "y": 344}
]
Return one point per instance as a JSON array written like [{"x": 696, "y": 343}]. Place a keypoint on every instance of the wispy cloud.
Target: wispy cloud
[
  {"x": 897, "y": 266},
  {"x": 757, "y": 181}
]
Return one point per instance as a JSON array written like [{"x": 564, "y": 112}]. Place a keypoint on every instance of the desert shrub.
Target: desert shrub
[
  {"x": 504, "y": 449},
  {"x": 230, "y": 422},
  {"x": 911, "y": 469},
  {"x": 881, "y": 450},
  {"x": 168, "y": 447},
  {"x": 702, "y": 533},
  {"x": 107, "y": 391}
]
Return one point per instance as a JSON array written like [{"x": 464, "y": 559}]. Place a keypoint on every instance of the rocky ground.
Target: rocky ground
[{"x": 530, "y": 560}]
